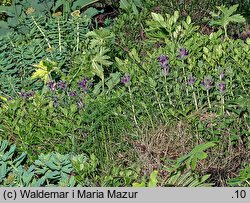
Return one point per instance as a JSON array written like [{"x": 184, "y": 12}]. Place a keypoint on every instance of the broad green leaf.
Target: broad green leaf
[
  {"x": 153, "y": 179},
  {"x": 139, "y": 184},
  {"x": 124, "y": 4},
  {"x": 188, "y": 20},
  {"x": 157, "y": 17}
]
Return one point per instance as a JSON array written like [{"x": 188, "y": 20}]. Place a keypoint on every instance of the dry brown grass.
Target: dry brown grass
[
  {"x": 166, "y": 142},
  {"x": 157, "y": 146}
]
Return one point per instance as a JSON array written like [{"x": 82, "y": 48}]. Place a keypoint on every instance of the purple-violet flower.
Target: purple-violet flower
[
  {"x": 125, "y": 79},
  {"x": 222, "y": 87},
  {"x": 207, "y": 83},
  {"x": 183, "y": 52},
  {"x": 61, "y": 85},
  {"x": 83, "y": 84},
  {"x": 26, "y": 95},
  {"x": 222, "y": 75},
  {"x": 164, "y": 62},
  {"x": 191, "y": 80},
  {"x": 51, "y": 85},
  {"x": 72, "y": 93}
]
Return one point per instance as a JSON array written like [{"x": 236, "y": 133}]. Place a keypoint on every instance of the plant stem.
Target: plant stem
[
  {"x": 158, "y": 101},
  {"x": 223, "y": 104},
  {"x": 104, "y": 140},
  {"x": 150, "y": 118},
  {"x": 208, "y": 99},
  {"x": 78, "y": 37},
  {"x": 59, "y": 36},
  {"x": 40, "y": 29},
  {"x": 133, "y": 107},
  {"x": 225, "y": 29},
  {"x": 195, "y": 99},
  {"x": 185, "y": 80},
  {"x": 167, "y": 92}
]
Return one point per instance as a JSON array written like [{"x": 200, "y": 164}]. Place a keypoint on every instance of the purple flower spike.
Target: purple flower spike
[
  {"x": 191, "y": 80},
  {"x": 222, "y": 75},
  {"x": 222, "y": 87},
  {"x": 166, "y": 70},
  {"x": 164, "y": 60},
  {"x": 61, "y": 85},
  {"x": 26, "y": 95},
  {"x": 55, "y": 103},
  {"x": 51, "y": 85},
  {"x": 207, "y": 83},
  {"x": 83, "y": 84},
  {"x": 72, "y": 94},
  {"x": 125, "y": 79},
  {"x": 183, "y": 53}
]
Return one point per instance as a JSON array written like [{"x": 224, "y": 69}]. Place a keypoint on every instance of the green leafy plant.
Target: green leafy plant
[
  {"x": 85, "y": 169},
  {"x": 152, "y": 182},
  {"x": 243, "y": 180},
  {"x": 187, "y": 179},
  {"x": 197, "y": 154},
  {"x": 20, "y": 9},
  {"x": 225, "y": 16},
  {"x": 8, "y": 161},
  {"x": 129, "y": 5},
  {"x": 44, "y": 70},
  {"x": 55, "y": 169}
]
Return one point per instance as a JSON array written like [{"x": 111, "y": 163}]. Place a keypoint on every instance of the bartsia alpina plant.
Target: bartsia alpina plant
[
  {"x": 191, "y": 80},
  {"x": 83, "y": 84},
  {"x": 51, "y": 85},
  {"x": 72, "y": 93},
  {"x": 207, "y": 83},
  {"x": 222, "y": 87},
  {"x": 125, "y": 79},
  {"x": 164, "y": 63},
  {"x": 61, "y": 85},
  {"x": 183, "y": 52},
  {"x": 27, "y": 95}
]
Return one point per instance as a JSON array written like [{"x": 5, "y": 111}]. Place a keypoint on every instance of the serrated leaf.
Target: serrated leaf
[{"x": 237, "y": 18}]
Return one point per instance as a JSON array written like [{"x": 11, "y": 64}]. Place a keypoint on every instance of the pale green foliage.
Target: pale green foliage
[
  {"x": 225, "y": 16},
  {"x": 86, "y": 169},
  {"x": 57, "y": 40},
  {"x": 44, "y": 70},
  {"x": 169, "y": 28},
  {"x": 54, "y": 167}
]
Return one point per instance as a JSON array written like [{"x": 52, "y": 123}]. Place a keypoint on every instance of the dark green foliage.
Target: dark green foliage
[
  {"x": 58, "y": 39},
  {"x": 20, "y": 9}
]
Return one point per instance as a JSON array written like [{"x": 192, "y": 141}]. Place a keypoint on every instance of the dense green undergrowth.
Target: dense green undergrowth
[{"x": 145, "y": 101}]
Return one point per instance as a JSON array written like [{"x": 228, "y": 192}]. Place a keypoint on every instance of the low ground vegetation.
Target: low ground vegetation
[{"x": 124, "y": 93}]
